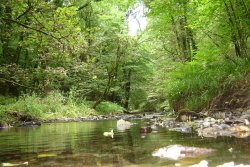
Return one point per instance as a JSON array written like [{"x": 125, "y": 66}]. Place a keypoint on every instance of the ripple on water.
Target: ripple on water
[{"x": 83, "y": 144}]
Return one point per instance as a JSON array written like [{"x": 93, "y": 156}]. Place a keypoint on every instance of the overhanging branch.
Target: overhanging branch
[{"x": 34, "y": 29}]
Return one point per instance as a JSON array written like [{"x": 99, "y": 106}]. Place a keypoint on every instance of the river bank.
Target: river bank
[{"x": 204, "y": 124}]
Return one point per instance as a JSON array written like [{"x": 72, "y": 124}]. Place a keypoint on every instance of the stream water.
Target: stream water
[{"x": 83, "y": 144}]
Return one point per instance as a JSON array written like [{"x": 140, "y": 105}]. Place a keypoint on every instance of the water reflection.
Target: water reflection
[{"x": 83, "y": 144}]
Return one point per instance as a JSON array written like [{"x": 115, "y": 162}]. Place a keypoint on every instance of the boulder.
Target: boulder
[{"x": 123, "y": 125}]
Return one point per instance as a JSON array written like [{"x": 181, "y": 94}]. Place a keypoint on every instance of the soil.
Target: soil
[
  {"x": 21, "y": 117},
  {"x": 237, "y": 97}
]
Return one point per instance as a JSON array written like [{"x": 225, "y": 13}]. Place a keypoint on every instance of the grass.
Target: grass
[
  {"x": 194, "y": 84},
  {"x": 54, "y": 106},
  {"x": 109, "y": 107}
]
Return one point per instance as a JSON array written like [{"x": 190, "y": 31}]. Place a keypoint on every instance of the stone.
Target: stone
[
  {"x": 206, "y": 124},
  {"x": 30, "y": 123},
  {"x": 184, "y": 129},
  {"x": 176, "y": 152},
  {"x": 239, "y": 128},
  {"x": 209, "y": 132},
  {"x": 145, "y": 129},
  {"x": 122, "y": 125},
  {"x": 203, "y": 163}
]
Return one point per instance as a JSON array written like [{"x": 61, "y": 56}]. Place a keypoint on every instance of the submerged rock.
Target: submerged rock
[
  {"x": 30, "y": 123},
  {"x": 203, "y": 163},
  {"x": 231, "y": 164},
  {"x": 183, "y": 129},
  {"x": 176, "y": 152},
  {"x": 145, "y": 129}
]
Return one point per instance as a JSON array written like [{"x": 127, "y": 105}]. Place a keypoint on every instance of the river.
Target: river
[{"x": 82, "y": 144}]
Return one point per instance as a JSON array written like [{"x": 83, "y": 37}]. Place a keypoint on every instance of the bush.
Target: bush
[
  {"x": 52, "y": 106},
  {"x": 194, "y": 84},
  {"x": 7, "y": 100},
  {"x": 109, "y": 108}
]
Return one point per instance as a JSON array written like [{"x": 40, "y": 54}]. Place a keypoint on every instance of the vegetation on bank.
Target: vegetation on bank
[
  {"x": 73, "y": 58},
  {"x": 53, "y": 106}
]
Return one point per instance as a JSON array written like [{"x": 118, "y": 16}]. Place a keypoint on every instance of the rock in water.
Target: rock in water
[
  {"x": 123, "y": 125},
  {"x": 176, "y": 152},
  {"x": 145, "y": 129},
  {"x": 30, "y": 123},
  {"x": 203, "y": 163},
  {"x": 185, "y": 116}
]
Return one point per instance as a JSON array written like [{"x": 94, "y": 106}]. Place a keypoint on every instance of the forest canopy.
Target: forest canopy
[{"x": 79, "y": 54}]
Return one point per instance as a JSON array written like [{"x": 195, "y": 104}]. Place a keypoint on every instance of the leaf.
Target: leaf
[
  {"x": 46, "y": 155},
  {"x": 12, "y": 164}
]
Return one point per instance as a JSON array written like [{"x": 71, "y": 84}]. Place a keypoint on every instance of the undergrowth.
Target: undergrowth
[
  {"x": 54, "y": 106},
  {"x": 194, "y": 84},
  {"x": 109, "y": 107}
]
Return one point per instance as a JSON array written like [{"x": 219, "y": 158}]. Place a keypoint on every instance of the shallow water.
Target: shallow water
[{"x": 83, "y": 144}]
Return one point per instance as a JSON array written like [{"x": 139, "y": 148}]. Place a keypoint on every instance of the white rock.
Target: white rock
[
  {"x": 206, "y": 124},
  {"x": 173, "y": 152},
  {"x": 231, "y": 164},
  {"x": 207, "y": 119},
  {"x": 203, "y": 163},
  {"x": 123, "y": 125}
]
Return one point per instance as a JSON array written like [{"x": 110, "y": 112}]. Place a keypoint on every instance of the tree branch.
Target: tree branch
[
  {"x": 25, "y": 12},
  {"x": 83, "y": 6},
  {"x": 34, "y": 29}
]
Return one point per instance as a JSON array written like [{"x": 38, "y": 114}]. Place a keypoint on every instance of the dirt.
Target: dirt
[
  {"x": 237, "y": 97},
  {"x": 21, "y": 117}
]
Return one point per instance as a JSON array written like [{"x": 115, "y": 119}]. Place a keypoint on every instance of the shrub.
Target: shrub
[
  {"x": 194, "y": 84},
  {"x": 109, "y": 108},
  {"x": 52, "y": 106}
]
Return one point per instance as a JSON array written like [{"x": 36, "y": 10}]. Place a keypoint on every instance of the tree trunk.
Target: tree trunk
[
  {"x": 6, "y": 33},
  {"x": 127, "y": 87},
  {"x": 18, "y": 50},
  {"x": 238, "y": 37}
]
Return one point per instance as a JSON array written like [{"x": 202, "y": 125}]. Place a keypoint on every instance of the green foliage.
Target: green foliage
[
  {"x": 73, "y": 55},
  {"x": 109, "y": 108},
  {"x": 52, "y": 106},
  {"x": 194, "y": 84},
  {"x": 4, "y": 100}
]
